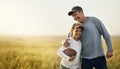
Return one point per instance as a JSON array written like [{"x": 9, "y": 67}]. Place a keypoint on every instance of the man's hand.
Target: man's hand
[
  {"x": 66, "y": 43},
  {"x": 109, "y": 54},
  {"x": 72, "y": 58}
]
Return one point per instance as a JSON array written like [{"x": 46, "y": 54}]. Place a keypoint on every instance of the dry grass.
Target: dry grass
[{"x": 39, "y": 53}]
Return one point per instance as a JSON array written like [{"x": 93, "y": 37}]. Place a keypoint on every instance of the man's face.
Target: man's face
[{"x": 78, "y": 16}]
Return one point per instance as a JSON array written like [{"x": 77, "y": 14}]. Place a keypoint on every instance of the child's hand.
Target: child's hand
[{"x": 72, "y": 58}]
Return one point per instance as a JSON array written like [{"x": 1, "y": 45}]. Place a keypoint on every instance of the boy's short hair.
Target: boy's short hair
[{"x": 77, "y": 25}]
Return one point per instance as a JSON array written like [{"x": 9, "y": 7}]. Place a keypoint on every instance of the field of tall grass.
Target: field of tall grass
[{"x": 40, "y": 52}]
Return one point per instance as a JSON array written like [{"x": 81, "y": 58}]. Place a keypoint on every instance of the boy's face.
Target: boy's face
[{"x": 77, "y": 32}]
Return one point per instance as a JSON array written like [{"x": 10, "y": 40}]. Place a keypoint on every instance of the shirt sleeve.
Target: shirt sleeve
[
  {"x": 61, "y": 53},
  {"x": 103, "y": 31}
]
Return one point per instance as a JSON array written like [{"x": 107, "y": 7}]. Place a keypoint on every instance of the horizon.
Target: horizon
[{"x": 65, "y": 36}]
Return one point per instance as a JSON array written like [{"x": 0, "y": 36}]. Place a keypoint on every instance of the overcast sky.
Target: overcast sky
[{"x": 49, "y": 17}]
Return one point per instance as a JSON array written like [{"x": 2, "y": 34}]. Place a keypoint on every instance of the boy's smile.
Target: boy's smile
[{"x": 77, "y": 32}]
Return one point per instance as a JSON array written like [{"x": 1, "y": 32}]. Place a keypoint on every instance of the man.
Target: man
[{"x": 92, "y": 50}]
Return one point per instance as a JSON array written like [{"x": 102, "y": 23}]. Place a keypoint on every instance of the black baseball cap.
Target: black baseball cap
[{"x": 74, "y": 9}]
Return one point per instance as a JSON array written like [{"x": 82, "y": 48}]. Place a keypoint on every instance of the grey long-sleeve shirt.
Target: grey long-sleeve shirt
[{"x": 91, "y": 38}]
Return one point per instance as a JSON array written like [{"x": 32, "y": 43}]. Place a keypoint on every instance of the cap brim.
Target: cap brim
[{"x": 71, "y": 12}]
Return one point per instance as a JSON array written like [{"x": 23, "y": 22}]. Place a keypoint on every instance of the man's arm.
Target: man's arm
[{"x": 106, "y": 36}]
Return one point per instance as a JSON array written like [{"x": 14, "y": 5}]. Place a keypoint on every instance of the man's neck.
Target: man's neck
[{"x": 85, "y": 18}]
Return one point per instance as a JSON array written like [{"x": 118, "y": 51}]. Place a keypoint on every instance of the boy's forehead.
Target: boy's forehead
[
  {"x": 78, "y": 24},
  {"x": 78, "y": 28}
]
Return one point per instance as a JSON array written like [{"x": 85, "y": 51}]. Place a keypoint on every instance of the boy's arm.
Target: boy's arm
[{"x": 61, "y": 53}]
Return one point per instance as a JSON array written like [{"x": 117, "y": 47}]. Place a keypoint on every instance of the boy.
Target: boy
[{"x": 72, "y": 62}]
